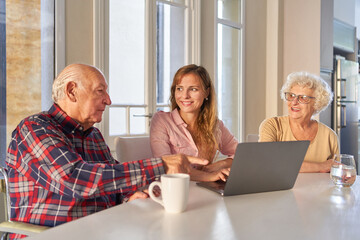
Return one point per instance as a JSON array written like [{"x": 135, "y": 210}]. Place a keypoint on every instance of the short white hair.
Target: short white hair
[
  {"x": 72, "y": 73},
  {"x": 322, "y": 91}
]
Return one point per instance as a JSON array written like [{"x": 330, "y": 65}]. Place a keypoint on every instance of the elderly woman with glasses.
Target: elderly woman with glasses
[{"x": 306, "y": 95}]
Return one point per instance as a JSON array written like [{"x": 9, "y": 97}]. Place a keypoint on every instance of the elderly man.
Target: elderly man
[{"x": 59, "y": 165}]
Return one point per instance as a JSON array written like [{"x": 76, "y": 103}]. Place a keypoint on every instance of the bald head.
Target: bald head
[
  {"x": 81, "y": 92},
  {"x": 77, "y": 73}
]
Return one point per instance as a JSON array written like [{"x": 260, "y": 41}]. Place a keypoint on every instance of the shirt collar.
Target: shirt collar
[
  {"x": 177, "y": 118},
  {"x": 69, "y": 124}
]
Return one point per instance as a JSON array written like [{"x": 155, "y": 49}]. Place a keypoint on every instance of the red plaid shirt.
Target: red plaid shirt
[{"x": 58, "y": 172}]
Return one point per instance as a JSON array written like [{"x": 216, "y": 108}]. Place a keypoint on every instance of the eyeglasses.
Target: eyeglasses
[{"x": 289, "y": 96}]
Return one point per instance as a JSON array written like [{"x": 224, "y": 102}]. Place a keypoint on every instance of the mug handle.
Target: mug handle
[{"x": 152, "y": 195}]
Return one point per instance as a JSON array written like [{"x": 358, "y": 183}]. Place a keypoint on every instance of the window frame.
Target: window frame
[
  {"x": 240, "y": 135},
  {"x": 101, "y": 50},
  {"x": 202, "y": 50}
]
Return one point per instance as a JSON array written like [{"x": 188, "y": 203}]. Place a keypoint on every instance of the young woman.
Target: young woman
[{"x": 192, "y": 127}]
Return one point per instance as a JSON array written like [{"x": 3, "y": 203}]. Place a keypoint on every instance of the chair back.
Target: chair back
[
  {"x": 252, "y": 138},
  {"x": 9, "y": 226},
  {"x": 132, "y": 148},
  {"x": 5, "y": 189}
]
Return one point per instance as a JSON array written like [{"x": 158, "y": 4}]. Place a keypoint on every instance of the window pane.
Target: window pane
[
  {"x": 165, "y": 109},
  {"x": 117, "y": 123},
  {"x": 179, "y": 1},
  {"x": 228, "y": 76},
  {"x": 126, "y": 51},
  {"x": 26, "y": 65},
  {"x": 176, "y": 1},
  {"x": 229, "y": 10},
  {"x": 170, "y": 47},
  {"x": 137, "y": 124}
]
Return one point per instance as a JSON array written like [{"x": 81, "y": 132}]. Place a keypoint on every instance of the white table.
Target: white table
[{"x": 313, "y": 209}]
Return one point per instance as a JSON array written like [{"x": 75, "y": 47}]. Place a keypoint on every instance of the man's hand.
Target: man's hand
[
  {"x": 180, "y": 163},
  {"x": 138, "y": 195}
]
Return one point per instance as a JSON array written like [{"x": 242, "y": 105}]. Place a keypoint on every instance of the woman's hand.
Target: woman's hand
[
  {"x": 322, "y": 167},
  {"x": 216, "y": 166},
  {"x": 181, "y": 163},
  {"x": 203, "y": 176},
  {"x": 326, "y": 166}
]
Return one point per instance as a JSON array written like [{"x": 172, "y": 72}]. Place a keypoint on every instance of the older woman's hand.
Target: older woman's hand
[
  {"x": 326, "y": 166},
  {"x": 323, "y": 167}
]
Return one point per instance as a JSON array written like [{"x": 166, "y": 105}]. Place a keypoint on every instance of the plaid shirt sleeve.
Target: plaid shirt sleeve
[{"x": 45, "y": 156}]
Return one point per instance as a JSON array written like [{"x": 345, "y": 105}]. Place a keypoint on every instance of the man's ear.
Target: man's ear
[{"x": 71, "y": 91}]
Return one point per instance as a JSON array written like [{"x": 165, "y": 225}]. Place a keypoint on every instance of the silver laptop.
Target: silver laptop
[{"x": 262, "y": 167}]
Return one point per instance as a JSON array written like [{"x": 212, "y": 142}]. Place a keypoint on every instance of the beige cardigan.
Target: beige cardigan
[{"x": 322, "y": 147}]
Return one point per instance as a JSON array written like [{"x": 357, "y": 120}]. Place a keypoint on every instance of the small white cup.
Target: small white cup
[{"x": 174, "y": 191}]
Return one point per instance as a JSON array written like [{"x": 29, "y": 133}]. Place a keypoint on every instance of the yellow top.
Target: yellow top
[{"x": 324, "y": 146}]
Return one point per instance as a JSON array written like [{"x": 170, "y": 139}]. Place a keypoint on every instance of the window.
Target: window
[
  {"x": 148, "y": 40},
  {"x": 127, "y": 67},
  {"x": 170, "y": 48},
  {"x": 229, "y": 64},
  {"x": 26, "y": 60},
  {"x": 162, "y": 36}
]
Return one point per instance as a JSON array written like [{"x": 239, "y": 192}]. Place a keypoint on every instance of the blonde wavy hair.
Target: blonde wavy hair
[
  {"x": 207, "y": 121},
  {"x": 322, "y": 91}
]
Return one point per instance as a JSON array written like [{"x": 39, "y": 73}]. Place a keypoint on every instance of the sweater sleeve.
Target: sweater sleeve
[
  {"x": 334, "y": 144},
  {"x": 228, "y": 141},
  {"x": 159, "y": 137},
  {"x": 268, "y": 130}
]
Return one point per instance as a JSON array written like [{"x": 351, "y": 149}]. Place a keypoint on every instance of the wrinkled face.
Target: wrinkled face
[
  {"x": 298, "y": 110},
  {"x": 189, "y": 94},
  {"x": 92, "y": 100}
]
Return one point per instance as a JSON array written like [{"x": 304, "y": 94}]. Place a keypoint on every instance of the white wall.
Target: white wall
[
  {"x": 79, "y": 32},
  {"x": 301, "y": 38},
  {"x": 274, "y": 64},
  {"x": 208, "y": 36},
  {"x": 255, "y": 64}
]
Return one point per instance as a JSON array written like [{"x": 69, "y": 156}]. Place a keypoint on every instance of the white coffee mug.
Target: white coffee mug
[{"x": 174, "y": 191}]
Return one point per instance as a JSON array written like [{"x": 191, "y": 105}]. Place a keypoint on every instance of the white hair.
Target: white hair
[
  {"x": 72, "y": 73},
  {"x": 322, "y": 91}
]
